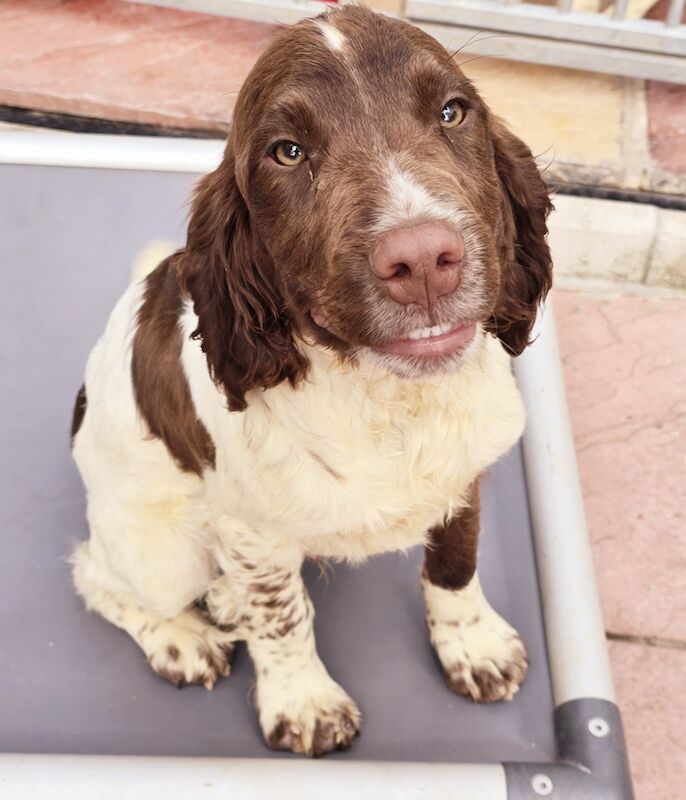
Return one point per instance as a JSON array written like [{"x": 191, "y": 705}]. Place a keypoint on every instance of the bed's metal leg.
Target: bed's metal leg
[{"x": 592, "y": 762}]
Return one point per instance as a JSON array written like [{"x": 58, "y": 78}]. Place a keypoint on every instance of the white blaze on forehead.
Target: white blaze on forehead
[
  {"x": 333, "y": 36},
  {"x": 408, "y": 202}
]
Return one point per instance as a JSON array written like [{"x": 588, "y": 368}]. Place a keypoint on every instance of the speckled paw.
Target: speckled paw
[
  {"x": 486, "y": 680},
  {"x": 313, "y": 717},
  {"x": 188, "y": 650},
  {"x": 318, "y": 734},
  {"x": 483, "y": 657}
]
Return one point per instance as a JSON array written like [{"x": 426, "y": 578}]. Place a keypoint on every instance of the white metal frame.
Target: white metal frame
[{"x": 576, "y": 641}]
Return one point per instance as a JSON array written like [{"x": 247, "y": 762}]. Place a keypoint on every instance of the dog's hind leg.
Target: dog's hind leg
[{"x": 185, "y": 648}]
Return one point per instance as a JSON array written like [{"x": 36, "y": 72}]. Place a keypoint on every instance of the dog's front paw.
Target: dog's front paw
[
  {"x": 484, "y": 661},
  {"x": 188, "y": 650},
  {"x": 309, "y": 714},
  {"x": 483, "y": 657}
]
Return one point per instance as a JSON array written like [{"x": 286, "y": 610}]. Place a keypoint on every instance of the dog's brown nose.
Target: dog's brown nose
[{"x": 420, "y": 263}]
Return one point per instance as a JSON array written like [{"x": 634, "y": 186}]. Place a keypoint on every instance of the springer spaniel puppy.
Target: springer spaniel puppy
[{"x": 322, "y": 371}]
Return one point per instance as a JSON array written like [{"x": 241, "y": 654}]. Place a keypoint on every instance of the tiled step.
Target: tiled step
[{"x": 125, "y": 61}]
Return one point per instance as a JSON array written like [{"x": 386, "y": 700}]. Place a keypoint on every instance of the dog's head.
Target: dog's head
[{"x": 367, "y": 201}]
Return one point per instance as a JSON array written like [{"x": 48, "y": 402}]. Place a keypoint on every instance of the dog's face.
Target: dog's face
[{"x": 369, "y": 201}]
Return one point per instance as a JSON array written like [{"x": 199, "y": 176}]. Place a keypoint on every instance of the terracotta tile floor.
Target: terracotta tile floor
[
  {"x": 124, "y": 61},
  {"x": 650, "y": 691},
  {"x": 666, "y": 104},
  {"x": 667, "y": 125},
  {"x": 624, "y": 361}
]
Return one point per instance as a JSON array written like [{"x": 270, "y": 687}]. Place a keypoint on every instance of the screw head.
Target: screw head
[
  {"x": 542, "y": 785},
  {"x": 598, "y": 727}
]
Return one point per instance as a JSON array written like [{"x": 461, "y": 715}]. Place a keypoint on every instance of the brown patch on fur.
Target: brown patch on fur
[
  {"x": 173, "y": 652},
  {"x": 487, "y": 684},
  {"x": 288, "y": 626},
  {"x": 328, "y": 735},
  {"x": 79, "y": 412},
  {"x": 483, "y": 685},
  {"x": 266, "y": 588},
  {"x": 226, "y": 627},
  {"x": 239, "y": 559},
  {"x": 272, "y": 602},
  {"x": 174, "y": 676},
  {"x": 279, "y": 734},
  {"x": 450, "y": 556},
  {"x": 160, "y": 385},
  {"x": 326, "y": 466},
  {"x": 204, "y": 654}
]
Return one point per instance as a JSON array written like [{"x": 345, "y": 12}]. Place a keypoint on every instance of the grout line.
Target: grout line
[
  {"x": 650, "y": 252},
  {"x": 650, "y": 641},
  {"x": 635, "y": 152},
  {"x": 620, "y": 194},
  {"x": 607, "y": 287}
]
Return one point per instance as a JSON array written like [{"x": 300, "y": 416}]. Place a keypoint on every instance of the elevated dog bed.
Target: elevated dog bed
[{"x": 81, "y": 713}]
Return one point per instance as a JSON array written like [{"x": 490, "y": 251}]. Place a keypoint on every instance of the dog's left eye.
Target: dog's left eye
[
  {"x": 289, "y": 154},
  {"x": 452, "y": 114}
]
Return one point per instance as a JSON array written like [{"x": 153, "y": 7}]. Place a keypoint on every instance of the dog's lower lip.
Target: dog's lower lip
[{"x": 444, "y": 344}]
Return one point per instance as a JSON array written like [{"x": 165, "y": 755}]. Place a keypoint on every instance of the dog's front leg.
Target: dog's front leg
[
  {"x": 301, "y": 708},
  {"x": 482, "y": 656}
]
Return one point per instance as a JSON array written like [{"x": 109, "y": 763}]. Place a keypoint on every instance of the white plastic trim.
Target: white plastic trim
[
  {"x": 577, "y": 649},
  {"x": 58, "y": 148},
  {"x": 34, "y": 777},
  {"x": 281, "y": 12}
]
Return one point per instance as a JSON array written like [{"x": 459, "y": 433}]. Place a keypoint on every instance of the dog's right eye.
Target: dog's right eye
[
  {"x": 452, "y": 113},
  {"x": 288, "y": 154}
]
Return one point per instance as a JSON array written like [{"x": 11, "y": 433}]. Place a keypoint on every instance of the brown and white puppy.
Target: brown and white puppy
[{"x": 322, "y": 371}]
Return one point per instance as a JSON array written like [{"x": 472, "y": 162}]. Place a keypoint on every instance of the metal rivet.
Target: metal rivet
[
  {"x": 598, "y": 727},
  {"x": 542, "y": 785}
]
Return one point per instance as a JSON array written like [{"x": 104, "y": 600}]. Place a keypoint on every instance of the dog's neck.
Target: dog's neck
[{"x": 362, "y": 377}]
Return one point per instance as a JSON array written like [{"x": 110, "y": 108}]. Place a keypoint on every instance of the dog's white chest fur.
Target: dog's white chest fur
[{"x": 356, "y": 462}]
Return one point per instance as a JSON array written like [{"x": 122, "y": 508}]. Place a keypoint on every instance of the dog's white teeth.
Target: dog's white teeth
[
  {"x": 420, "y": 333},
  {"x": 427, "y": 333}
]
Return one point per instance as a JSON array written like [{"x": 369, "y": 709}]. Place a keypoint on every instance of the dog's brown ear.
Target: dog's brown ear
[
  {"x": 245, "y": 329},
  {"x": 526, "y": 264}
]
